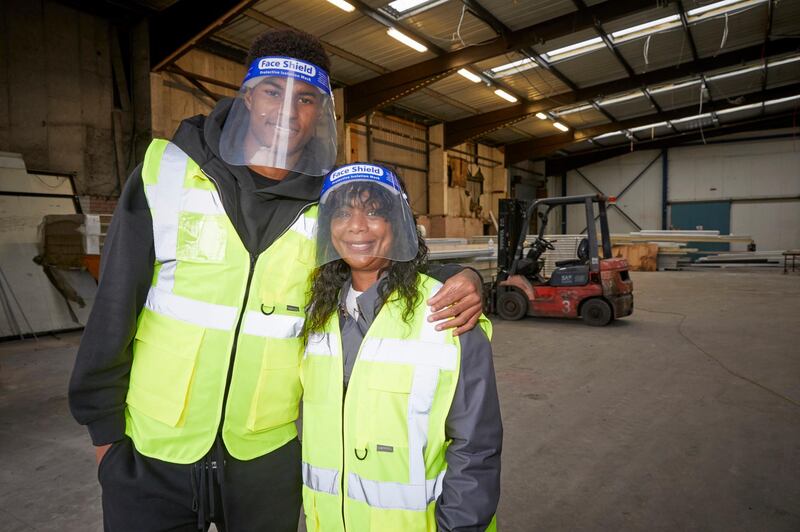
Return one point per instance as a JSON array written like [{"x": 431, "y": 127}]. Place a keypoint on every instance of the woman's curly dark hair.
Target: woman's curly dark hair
[
  {"x": 289, "y": 43},
  {"x": 327, "y": 280}
]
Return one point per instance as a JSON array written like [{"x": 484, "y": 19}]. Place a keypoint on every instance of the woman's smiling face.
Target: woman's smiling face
[{"x": 361, "y": 233}]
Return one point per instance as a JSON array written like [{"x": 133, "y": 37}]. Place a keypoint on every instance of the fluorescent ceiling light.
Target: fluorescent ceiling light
[
  {"x": 341, "y": 4},
  {"x": 690, "y": 118},
  {"x": 514, "y": 67},
  {"x": 574, "y": 49},
  {"x": 782, "y": 100},
  {"x": 648, "y": 126},
  {"x": 577, "y": 109},
  {"x": 640, "y": 30},
  {"x": 404, "y": 5},
  {"x": 474, "y": 78},
  {"x": 674, "y": 86},
  {"x": 740, "y": 108},
  {"x": 506, "y": 96},
  {"x": 541, "y": 116},
  {"x": 405, "y": 39},
  {"x": 785, "y": 61},
  {"x": 623, "y": 98},
  {"x": 720, "y": 8},
  {"x": 559, "y": 125},
  {"x": 606, "y": 135},
  {"x": 733, "y": 73}
]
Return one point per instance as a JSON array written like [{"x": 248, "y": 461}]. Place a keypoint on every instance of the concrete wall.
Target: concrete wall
[
  {"x": 57, "y": 104},
  {"x": 760, "y": 178}
]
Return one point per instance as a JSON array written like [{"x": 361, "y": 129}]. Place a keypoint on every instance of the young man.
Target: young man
[{"x": 188, "y": 371}]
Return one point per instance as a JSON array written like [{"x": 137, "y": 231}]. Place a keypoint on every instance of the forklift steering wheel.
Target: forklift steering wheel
[{"x": 548, "y": 244}]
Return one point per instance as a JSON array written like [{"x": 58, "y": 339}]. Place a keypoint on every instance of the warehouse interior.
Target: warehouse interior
[{"x": 682, "y": 115}]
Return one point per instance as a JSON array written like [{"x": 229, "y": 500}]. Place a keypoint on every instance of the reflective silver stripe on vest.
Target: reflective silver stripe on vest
[
  {"x": 428, "y": 332},
  {"x": 257, "y": 323},
  {"x": 321, "y": 479},
  {"x": 319, "y": 345},
  {"x": 201, "y": 201},
  {"x": 199, "y": 313},
  {"x": 164, "y": 199},
  {"x": 306, "y": 226},
  {"x": 437, "y": 355},
  {"x": 393, "y": 495},
  {"x": 420, "y": 401}
]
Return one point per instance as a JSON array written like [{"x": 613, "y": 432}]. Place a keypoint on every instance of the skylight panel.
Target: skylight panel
[
  {"x": 514, "y": 67},
  {"x": 647, "y": 28},
  {"x": 720, "y": 8},
  {"x": 574, "y": 49},
  {"x": 402, "y": 6}
]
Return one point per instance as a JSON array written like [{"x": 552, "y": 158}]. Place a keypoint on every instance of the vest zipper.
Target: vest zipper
[
  {"x": 253, "y": 259},
  {"x": 232, "y": 358}
]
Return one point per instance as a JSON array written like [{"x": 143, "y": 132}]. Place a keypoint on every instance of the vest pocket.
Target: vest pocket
[
  {"x": 201, "y": 238},
  {"x": 389, "y": 392},
  {"x": 164, "y": 356},
  {"x": 277, "y": 395}
]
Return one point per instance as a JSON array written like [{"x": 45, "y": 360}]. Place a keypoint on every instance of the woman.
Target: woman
[{"x": 401, "y": 423}]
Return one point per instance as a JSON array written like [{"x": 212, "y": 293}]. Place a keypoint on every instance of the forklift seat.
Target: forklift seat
[{"x": 582, "y": 253}]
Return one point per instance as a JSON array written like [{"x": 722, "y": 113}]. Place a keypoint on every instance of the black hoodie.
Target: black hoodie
[{"x": 260, "y": 209}]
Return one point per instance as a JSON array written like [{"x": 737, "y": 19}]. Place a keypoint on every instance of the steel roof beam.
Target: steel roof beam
[
  {"x": 767, "y": 31},
  {"x": 598, "y": 28},
  {"x": 178, "y": 28},
  {"x": 558, "y": 166},
  {"x": 381, "y": 90},
  {"x": 459, "y": 131},
  {"x": 687, "y": 31},
  {"x": 540, "y": 148}
]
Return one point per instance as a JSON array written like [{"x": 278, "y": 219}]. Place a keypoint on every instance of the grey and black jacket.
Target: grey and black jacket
[{"x": 471, "y": 486}]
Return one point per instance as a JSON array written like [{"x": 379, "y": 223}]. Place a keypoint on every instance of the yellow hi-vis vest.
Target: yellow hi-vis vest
[
  {"x": 207, "y": 294},
  {"x": 374, "y": 460}
]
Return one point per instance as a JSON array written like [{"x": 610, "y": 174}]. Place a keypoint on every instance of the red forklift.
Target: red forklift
[{"x": 597, "y": 290}]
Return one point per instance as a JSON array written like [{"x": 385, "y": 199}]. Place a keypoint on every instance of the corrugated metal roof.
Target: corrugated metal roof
[
  {"x": 456, "y": 97},
  {"x": 581, "y": 119},
  {"x": 630, "y": 108},
  {"x": 517, "y": 14},
  {"x": 735, "y": 85},
  {"x": 504, "y": 136},
  {"x": 536, "y": 83},
  {"x": 592, "y": 68},
  {"x": 785, "y": 19},
  {"x": 440, "y": 23},
  {"x": 665, "y": 49},
  {"x": 475, "y": 95},
  {"x": 537, "y": 128},
  {"x": 675, "y": 99},
  {"x": 744, "y": 29},
  {"x": 367, "y": 38},
  {"x": 316, "y": 18},
  {"x": 428, "y": 105}
]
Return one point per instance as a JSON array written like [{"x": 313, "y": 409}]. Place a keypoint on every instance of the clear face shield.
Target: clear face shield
[
  {"x": 282, "y": 118},
  {"x": 364, "y": 218}
]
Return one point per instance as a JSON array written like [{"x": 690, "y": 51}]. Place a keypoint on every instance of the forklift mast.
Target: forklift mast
[{"x": 510, "y": 231}]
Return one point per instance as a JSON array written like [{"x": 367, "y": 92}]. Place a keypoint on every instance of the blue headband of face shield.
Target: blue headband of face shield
[{"x": 361, "y": 172}]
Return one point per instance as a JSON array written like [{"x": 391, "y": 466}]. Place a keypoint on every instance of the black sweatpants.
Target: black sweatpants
[{"x": 143, "y": 494}]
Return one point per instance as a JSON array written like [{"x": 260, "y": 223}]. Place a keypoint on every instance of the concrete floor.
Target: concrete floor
[{"x": 685, "y": 416}]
